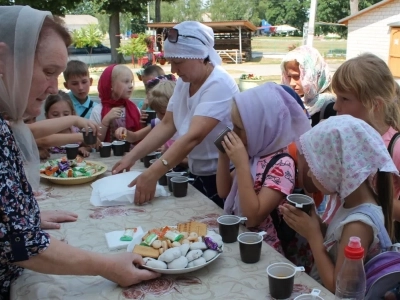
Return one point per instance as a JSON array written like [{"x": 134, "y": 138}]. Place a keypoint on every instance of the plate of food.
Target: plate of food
[
  {"x": 69, "y": 172},
  {"x": 178, "y": 249}
]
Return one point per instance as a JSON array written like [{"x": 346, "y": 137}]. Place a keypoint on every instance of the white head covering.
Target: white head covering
[
  {"x": 191, "y": 48},
  {"x": 343, "y": 151},
  {"x": 19, "y": 30}
]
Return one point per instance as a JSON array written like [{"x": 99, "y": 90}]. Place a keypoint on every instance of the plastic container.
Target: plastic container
[{"x": 351, "y": 282}]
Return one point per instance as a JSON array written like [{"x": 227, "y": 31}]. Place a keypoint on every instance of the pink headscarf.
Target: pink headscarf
[
  {"x": 343, "y": 151},
  {"x": 272, "y": 120}
]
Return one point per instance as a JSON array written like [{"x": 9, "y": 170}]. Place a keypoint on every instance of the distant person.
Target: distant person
[
  {"x": 78, "y": 81},
  {"x": 116, "y": 109},
  {"x": 150, "y": 72},
  {"x": 305, "y": 71}
]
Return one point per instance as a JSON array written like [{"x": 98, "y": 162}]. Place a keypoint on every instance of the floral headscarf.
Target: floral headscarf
[
  {"x": 343, "y": 151},
  {"x": 315, "y": 77}
]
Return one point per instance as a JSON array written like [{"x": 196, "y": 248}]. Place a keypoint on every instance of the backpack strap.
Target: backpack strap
[
  {"x": 392, "y": 142},
  {"x": 83, "y": 114},
  {"x": 383, "y": 236}
]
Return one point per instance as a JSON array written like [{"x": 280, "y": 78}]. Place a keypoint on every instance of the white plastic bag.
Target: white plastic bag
[{"x": 113, "y": 190}]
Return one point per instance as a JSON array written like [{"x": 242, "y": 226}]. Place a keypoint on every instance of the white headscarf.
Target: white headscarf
[
  {"x": 192, "y": 48},
  {"x": 19, "y": 30}
]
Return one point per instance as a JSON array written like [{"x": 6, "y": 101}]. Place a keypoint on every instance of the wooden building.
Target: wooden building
[{"x": 232, "y": 38}]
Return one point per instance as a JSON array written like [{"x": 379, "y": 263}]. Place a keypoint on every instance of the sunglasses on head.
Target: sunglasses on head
[{"x": 172, "y": 35}]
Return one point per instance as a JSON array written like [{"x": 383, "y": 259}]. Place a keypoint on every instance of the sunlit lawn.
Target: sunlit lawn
[{"x": 281, "y": 44}]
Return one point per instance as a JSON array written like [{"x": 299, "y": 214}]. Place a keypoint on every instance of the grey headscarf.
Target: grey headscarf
[{"x": 19, "y": 32}]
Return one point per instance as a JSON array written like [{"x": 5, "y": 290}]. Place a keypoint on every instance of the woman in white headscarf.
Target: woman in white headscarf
[
  {"x": 33, "y": 53},
  {"x": 198, "y": 111}
]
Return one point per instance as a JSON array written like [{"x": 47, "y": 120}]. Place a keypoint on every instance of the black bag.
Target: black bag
[
  {"x": 284, "y": 232},
  {"x": 390, "y": 149}
]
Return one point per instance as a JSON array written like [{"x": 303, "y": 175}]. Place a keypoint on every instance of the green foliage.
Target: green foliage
[
  {"x": 88, "y": 36},
  {"x": 291, "y": 12},
  {"x": 57, "y": 7},
  {"x": 178, "y": 11},
  {"x": 335, "y": 10},
  {"x": 134, "y": 46},
  {"x": 229, "y": 10}
]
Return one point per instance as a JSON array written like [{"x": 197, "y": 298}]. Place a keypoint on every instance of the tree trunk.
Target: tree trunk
[
  {"x": 158, "y": 11},
  {"x": 353, "y": 6},
  {"x": 115, "y": 39}
]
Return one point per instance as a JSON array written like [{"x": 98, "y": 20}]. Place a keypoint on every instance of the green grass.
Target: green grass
[{"x": 281, "y": 44}]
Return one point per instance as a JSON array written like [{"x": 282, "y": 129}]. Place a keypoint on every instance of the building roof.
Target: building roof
[
  {"x": 218, "y": 27},
  {"x": 361, "y": 12},
  {"x": 80, "y": 20}
]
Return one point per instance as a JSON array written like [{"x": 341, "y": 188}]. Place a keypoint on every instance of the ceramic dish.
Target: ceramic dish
[
  {"x": 174, "y": 271},
  {"x": 77, "y": 180}
]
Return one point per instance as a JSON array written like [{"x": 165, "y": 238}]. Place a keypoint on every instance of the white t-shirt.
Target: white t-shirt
[
  {"x": 334, "y": 231},
  {"x": 214, "y": 100}
]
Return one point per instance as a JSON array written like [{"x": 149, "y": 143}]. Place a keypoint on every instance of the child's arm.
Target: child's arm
[
  {"x": 84, "y": 151},
  {"x": 60, "y": 139},
  {"x": 47, "y": 127},
  {"x": 122, "y": 133},
  {"x": 224, "y": 178},
  {"x": 327, "y": 270},
  {"x": 105, "y": 123}
]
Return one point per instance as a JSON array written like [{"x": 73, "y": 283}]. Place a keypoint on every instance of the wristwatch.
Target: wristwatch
[{"x": 165, "y": 163}]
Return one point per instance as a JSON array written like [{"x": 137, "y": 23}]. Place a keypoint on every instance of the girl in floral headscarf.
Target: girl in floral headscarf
[
  {"x": 305, "y": 70},
  {"x": 345, "y": 156}
]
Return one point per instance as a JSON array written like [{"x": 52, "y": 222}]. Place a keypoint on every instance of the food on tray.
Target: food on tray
[
  {"x": 146, "y": 251},
  {"x": 171, "y": 248},
  {"x": 199, "y": 228},
  {"x": 128, "y": 234},
  {"x": 64, "y": 168}
]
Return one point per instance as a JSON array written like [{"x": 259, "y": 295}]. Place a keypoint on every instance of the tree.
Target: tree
[
  {"x": 157, "y": 7},
  {"x": 353, "y": 6},
  {"x": 334, "y": 10},
  {"x": 230, "y": 10},
  {"x": 87, "y": 37},
  {"x": 113, "y": 8},
  {"x": 291, "y": 12},
  {"x": 57, "y": 7}
]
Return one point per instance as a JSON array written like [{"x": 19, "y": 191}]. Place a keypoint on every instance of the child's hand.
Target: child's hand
[
  {"x": 305, "y": 225},
  {"x": 121, "y": 133},
  {"x": 114, "y": 113},
  {"x": 143, "y": 117},
  {"x": 83, "y": 151},
  {"x": 83, "y": 123},
  {"x": 235, "y": 149},
  {"x": 44, "y": 153}
]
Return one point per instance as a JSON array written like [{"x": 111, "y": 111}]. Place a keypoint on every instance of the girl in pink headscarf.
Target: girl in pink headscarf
[
  {"x": 345, "y": 156},
  {"x": 266, "y": 120}
]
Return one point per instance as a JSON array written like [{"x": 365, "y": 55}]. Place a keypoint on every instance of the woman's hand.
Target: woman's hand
[
  {"x": 121, "y": 133},
  {"x": 86, "y": 124},
  {"x": 114, "y": 113},
  {"x": 145, "y": 187},
  {"x": 84, "y": 151},
  {"x": 50, "y": 219},
  {"x": 235, "y": 149},
  {"x": 125, "y": 164},
  {"x": 121, "y": 268},
  {"x": 305, "y": 225}
]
